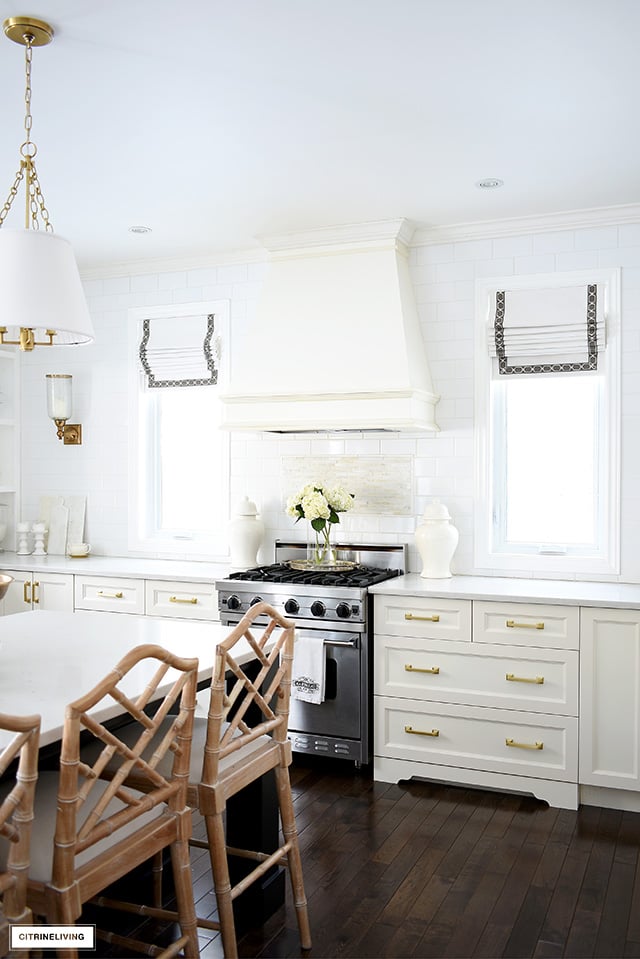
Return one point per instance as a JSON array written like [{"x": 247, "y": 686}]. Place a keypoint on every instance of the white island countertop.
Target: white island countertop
[
  {"x": 48, "y": 659},
  {"x": 503, "y": 589},
  {"x": 125, "y": 566}
]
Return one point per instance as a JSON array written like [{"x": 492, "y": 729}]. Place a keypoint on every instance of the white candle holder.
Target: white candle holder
[
  {"x": 39, "y": 531},
  {"x": 22, "y": 529}
]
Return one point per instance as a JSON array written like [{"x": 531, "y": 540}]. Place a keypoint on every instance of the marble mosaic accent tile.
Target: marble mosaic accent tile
[{"x": 381, "y": 484}]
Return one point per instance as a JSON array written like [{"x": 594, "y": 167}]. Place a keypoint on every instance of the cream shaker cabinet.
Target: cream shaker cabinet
[
  {"x": 464, "y": 694},
  {"x": 38, "y": 590},
  {"x": 610, "y": 698}
]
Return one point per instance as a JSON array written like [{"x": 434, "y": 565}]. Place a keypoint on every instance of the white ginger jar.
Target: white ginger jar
[{"x": 436, "y": 539}]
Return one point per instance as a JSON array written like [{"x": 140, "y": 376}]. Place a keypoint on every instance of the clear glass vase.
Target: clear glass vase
[{"x": 320, "y": 551}]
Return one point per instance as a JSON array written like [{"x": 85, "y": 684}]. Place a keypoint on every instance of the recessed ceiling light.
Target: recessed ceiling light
[
  {"x": 139, "y": 229},
  {"x": 489, "y": 183}
]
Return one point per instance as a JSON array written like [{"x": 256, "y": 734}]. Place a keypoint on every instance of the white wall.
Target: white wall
[{"x": 444, "y": 275}]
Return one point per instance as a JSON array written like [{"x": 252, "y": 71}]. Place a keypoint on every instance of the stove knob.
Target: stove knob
[
  {"x": 256, "y": 599},
  {"x": 343, "y": 610},
  {"x": 318, "y": 608},
  {"x": 291, "y": 606},
  {"x": 234, "y": 602}
]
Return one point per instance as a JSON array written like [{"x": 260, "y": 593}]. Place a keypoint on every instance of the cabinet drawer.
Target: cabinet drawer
[
  {"x": 181, "y": 600},
  {"x": 527, "y": 624},
  {"x": 504, "y": 741},
  {"x": 537, "y": 680},
  {"x": 423, "y": 616},
  {"x": 109, "y": 594}
]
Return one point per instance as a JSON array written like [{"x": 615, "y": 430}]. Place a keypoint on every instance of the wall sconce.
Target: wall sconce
[{"x": 59, "y": 408}]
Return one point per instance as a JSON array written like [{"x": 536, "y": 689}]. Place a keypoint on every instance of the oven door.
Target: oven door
[{"x": 339, "y": 715}]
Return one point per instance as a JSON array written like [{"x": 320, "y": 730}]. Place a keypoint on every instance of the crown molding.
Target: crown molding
[
  {"x": 405, "y": 233},
  {"x": 172, "y": 264},
  {"x": 514, "y": 226}
]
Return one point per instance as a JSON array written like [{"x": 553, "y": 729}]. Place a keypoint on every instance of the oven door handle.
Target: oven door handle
[{"x": 337, "y": 642}]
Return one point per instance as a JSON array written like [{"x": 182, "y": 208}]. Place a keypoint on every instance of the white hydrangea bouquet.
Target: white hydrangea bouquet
[{"x": 320, "y": 505}]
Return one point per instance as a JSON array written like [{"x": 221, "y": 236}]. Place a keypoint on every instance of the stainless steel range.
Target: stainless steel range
[{"x": 337, "y": 603}]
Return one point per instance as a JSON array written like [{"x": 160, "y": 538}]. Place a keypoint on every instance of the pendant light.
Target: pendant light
[{"x": 42, "y": 302}]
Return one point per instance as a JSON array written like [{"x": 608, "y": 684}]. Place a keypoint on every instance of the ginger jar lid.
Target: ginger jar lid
[
  {"x": 436, "y": 511},
  {"x": 246, "y": 507}
]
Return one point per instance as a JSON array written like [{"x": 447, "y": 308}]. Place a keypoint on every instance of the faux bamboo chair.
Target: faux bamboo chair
[
  {"x": 231, "y": 750},
  {"x": 103, "y": 829},
  {"x": 16, "y": 816}
]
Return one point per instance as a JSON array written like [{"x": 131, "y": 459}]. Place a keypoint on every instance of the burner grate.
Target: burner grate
[{"x": 359, "y": 576}]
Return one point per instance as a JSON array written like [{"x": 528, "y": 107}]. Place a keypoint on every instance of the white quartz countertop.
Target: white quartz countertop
[
  {"x": 503, "y": 589},
  {"x": 48, "y": 659},
  {"x": 128, "y": 567}
]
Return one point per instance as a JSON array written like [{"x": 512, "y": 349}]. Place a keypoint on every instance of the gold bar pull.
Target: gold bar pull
[
  {"x": 101, "y": 592},
  {"x": 425, "y": 619},
  {"x": 176, "y": 599},
  {"x": 36, "y": 598},
  {"x": 511, "y": 624},
  {"x": 434, "y": 670},
  {"x": 421, "y": 732},
  {"x": 26, "y": 593},
  {"x": 524, "y": 679},
  {"x": 512, "y": 742}
]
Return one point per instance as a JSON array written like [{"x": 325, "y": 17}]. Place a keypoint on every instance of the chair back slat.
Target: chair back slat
[
  {"x": 90, "y": 809},
  {"x": 239, "y": 717}
]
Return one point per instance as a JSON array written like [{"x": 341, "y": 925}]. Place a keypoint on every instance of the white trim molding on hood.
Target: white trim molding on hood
[{"x": 335, "y": 343}]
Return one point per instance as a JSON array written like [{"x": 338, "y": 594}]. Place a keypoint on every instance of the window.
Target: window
[
  {"x": 547, "y": 461},
  {"x": 179, "y": 490}
]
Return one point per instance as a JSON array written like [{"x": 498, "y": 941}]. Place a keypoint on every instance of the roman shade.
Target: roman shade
[
  {"x": 554, "y": 330},
  {"x": 179, "y": 351}
]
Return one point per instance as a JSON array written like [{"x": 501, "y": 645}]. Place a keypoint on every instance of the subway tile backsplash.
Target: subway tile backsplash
[{"x": 428, "y": 465}]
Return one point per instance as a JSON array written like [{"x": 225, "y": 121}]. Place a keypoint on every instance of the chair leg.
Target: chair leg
[
  {"x": 156, "y": 875},
  {"x": 221, "y": 882},
  {"x": 181, "y": 864},
  {"x": 290, "y": 833}
]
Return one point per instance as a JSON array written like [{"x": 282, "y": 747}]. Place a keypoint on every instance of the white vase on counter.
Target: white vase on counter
[
  {"x": 436, "y": 539},
  {"x": 246, "y": 533}
]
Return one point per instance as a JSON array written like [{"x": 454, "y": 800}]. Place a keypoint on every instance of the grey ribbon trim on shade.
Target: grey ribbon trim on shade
[{"x": 211, "y": 380}]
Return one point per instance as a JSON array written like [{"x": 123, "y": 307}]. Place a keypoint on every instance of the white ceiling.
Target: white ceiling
[{"x": 216, "y": 121}]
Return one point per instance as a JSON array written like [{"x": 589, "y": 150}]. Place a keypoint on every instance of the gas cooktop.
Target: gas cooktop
[{"x": 359, "y": 576}]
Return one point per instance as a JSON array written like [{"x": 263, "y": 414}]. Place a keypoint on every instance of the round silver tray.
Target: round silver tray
[{"x": 309, "y": 564}]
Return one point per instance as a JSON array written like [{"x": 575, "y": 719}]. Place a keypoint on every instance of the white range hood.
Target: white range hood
[{"x": 335, "y": 343}]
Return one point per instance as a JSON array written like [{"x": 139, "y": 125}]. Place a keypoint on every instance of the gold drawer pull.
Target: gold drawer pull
[
  {"x": 512, "y": 742},
  {"x": 434, "y": 670},
  {"x": 176, "y": 599},
  {"x": 36, "y": 587},
  {"x": 511, "y": 624},
  {"x": 425, "y": 619},
  {"x": 524, "y": 679},
  {"x": 421, "y": 732},
  {"x": 101, "y": 592},
  {"x": 26, "y": 593}
]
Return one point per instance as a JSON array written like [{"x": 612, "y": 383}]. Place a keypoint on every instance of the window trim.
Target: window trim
[
  {"x": 485, "y": 558},
  {"x": 216, "y": 548}
]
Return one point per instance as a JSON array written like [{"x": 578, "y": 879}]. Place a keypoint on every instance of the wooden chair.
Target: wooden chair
[
  {"x": 16, "y": 816},
  {"x": 231, "y": 749},
  {"x": 101, "y": 829}
]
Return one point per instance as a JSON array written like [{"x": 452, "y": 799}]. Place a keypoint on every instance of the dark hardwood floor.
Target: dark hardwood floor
[{"x": 428, "y": 870}]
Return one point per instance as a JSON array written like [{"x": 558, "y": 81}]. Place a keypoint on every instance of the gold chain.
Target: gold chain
[{"x": 36, "y": 207}]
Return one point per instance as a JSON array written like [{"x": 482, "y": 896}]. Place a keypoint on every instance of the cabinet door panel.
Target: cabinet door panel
[
  {"x": 527, "y": 624},
  {"x": 610, "y": 698},
  {"x": 540, "y": 680},
  {"x": 181, "y": 600},
  {"x": 505, "y": 741},
  {"x": 423, "y": 616}
]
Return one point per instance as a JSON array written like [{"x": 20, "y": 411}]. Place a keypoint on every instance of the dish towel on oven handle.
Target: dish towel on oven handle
[{"x": 307, "y": 675}]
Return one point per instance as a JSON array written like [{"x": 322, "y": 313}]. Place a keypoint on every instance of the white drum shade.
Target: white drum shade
[{"x": 40, "y": 287}]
